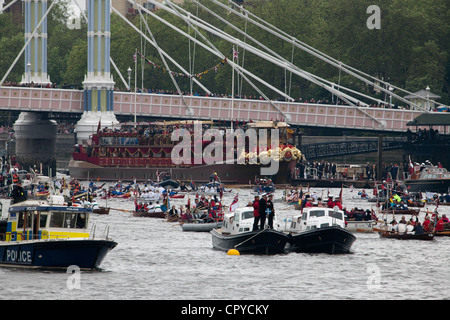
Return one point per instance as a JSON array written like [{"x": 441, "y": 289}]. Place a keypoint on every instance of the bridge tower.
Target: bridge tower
[
  {"x": 35, "y": 133},
  {"x": 98, "y": 83},
  {"x": 36, "y": 52}
]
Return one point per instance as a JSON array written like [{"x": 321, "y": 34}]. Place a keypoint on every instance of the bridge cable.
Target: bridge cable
[
  {"x": 281, "y": 58},
  {"x": 234, "y": 66},
  {"x": 217, "y": 53},
  {"x": 7, "y": 6},
  {"x": 26, "y": 43},
  {"x": 189, "y": 110},
  {"x": 283, "y": 35},
  {"x": 153, "y": 44},
  {"x": 263, "y": 55}
]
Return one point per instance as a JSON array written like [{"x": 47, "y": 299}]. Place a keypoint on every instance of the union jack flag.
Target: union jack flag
[
  {"x": 235, "y": 203},
  {"x": 235, "y": 54}
]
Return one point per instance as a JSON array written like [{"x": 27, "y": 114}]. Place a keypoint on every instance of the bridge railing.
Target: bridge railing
[
  {"x": 212, "y": 108},
  {"x": 41, "y": 99}
]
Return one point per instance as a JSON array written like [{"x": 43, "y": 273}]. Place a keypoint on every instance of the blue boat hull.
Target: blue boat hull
[
  {"x": 59, "y": 254},
  {"x": 332, "y": 240}
]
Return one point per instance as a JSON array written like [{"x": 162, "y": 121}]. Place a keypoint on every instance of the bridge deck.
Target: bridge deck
[{"x": 170, "y": 106}]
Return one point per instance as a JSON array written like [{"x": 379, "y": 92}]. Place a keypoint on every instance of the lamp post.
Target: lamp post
[
  {"x": 428, "y": 97},
  {"x": 29, "y": 72},
  {"x": 391, "y": 89},
  {"x": 129, "y": 78}
]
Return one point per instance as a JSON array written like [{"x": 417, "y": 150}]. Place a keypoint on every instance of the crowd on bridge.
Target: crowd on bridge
[
  {"x": 254, "y": 97},
  {"x": 31, "y": 85},
  {"x": 213, "y": 95}
]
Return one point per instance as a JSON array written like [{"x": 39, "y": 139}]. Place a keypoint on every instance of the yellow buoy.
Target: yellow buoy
[{"x": 233, "y": 252}]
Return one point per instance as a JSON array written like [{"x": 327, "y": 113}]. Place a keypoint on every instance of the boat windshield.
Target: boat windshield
[
  {"x": 317, "y": 213},
  {"x": 247, "y": 215},
  {"x": 68, "y": 220},
  {"x": 336, "y": 214},
  {"x": 21, "y": 220}
]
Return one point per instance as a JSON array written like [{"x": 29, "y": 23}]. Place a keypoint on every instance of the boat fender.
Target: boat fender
[{"x": 233, "y": 252}]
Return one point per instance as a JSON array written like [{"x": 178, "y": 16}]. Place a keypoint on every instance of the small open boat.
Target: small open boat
[
  {"x": 406, "y": 236},
  {"x": 201, "y": 226},
  {"x": 362, "y": 226},
  {"x": 101, "y": 210},
  {"x": 413, "y": 212},
  {"x": 177, "y": 196},
  {"x": 443, "y": 233},
  {"x": 157, "y": 213}
]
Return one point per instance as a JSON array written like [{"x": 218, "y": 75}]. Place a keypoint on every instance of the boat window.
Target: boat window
[
  {"x": 21, "y": 220},
  {"x": 56, "y": 220},
  {"x": 236, "y": 216},
  {"x": 81, "y": 220},
  {"x": 43, "y": 220},
  {"x": 317, "y": 213},
  {"x": 247, "y": 215},
  {"x": 336, "y": 214},
  {"x": 304, "y": 216},
  {"x": 69, "y": 219}
]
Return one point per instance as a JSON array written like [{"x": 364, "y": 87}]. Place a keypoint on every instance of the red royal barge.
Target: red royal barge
[{"x": 144, "y": 153}]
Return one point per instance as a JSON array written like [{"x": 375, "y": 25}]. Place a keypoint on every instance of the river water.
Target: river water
[{"x": 156, "y": 260}]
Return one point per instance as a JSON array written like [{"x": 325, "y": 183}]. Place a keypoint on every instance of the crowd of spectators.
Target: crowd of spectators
[
  {"x": 326, "y": 170},
  {"x": 423, "y": 135},
  {"x": 214, "y": 95},
  {"x": 30, "y": 85},
  {"x": 250, "y": 97},
  {"x": 65, "y": 127}
]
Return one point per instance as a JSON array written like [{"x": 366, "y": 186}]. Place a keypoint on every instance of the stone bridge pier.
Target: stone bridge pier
[{"x": 36, "y": 142}]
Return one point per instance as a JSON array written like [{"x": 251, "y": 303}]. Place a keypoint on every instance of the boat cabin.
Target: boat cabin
[
  {"x": 51, "y": 219},
  {"x": 316, "y": 218},
  {"x": 241, "y": 220},
  {"x": 431, "y": 172}
]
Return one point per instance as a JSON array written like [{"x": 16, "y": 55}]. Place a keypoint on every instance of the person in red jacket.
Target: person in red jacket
[
  {"x": 256, "y": 213},
  {"x": 439, "y": 225},
  {"x": 427, "y": 225}
]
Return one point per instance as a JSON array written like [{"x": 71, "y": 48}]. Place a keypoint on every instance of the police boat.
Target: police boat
[{"x": 50, "y": 234}]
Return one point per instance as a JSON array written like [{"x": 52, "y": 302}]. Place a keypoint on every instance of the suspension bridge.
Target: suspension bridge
[{"x": 98, "y": 102}]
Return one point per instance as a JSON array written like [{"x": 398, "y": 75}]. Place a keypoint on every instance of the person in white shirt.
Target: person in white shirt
[{"x": 409, "y": 228}]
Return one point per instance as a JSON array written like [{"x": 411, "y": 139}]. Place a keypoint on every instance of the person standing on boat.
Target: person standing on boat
[
  {"x": 270, "y": 211},
  {"x": 262, "y": 210},
  {"x": 18, "y": 193},
  {"x": 255, "y": 205}
]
